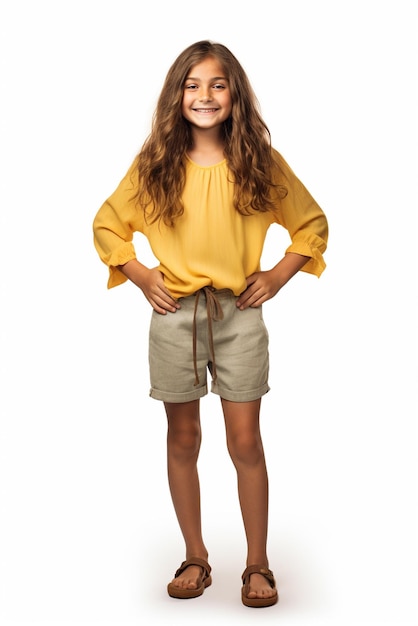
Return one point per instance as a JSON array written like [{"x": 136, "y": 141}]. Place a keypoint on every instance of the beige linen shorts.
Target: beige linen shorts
[{"x": 208, "y": 334}]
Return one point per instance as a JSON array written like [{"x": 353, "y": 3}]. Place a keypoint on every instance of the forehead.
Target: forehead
[{"x": 208, "y": 68}]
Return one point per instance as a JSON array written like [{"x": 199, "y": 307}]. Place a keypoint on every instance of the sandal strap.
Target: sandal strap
[
  {"x": 259, "y": 569},
  {"x": 195, "y": 560}
]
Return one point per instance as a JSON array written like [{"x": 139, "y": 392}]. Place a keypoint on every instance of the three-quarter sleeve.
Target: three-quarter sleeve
[
  {"x": 114, "y": 226},
  {"x": 303, "y": 218}
]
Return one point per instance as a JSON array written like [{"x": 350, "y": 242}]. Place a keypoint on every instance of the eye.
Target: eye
[
  {"x": 190, "y": 87},
  {"x": 219, "y": 86}
]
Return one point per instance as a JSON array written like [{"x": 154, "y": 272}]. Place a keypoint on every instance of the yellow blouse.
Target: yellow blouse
[{"x": 211, "y": 243}]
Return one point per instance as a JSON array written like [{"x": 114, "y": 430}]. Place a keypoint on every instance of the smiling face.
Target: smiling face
[{"x": 206, "y": 97}]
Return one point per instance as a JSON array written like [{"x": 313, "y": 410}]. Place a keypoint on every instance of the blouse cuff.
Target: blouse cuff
[
  {"x": 316, "y": 263},
  {"x": 120, "y": 256}
]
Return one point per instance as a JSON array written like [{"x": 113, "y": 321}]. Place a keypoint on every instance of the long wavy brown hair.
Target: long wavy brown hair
[{"x": 161, "y": 161}]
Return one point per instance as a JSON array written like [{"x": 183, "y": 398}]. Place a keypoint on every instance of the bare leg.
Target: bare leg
[
  {"x": 183, "y": 445},
  {"x": 246, "y": 450}
]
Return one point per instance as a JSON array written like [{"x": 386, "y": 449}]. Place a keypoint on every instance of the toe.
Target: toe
[
  {"x": 259, "y": 588},
  {"x": 188, "y": 579}
]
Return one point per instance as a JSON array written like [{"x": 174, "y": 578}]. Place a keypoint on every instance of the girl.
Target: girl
[{"x": 204, "y": 189}]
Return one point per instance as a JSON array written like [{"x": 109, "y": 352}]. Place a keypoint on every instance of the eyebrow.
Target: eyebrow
[{"x": 214, "y": 78}]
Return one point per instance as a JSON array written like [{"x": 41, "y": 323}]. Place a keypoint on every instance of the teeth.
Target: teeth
[{"x": 205, "y": 110}]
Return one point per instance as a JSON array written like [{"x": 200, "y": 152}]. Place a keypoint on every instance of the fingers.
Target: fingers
[
  {"x": 162, "y": 302},
  {"x": 163, "y": 309},
  {"x": 251, "y": 299},
  {"x": 259, "y": 290},
  {"x": 157, "y": 294},
  {"x": 246, "y": 298}
]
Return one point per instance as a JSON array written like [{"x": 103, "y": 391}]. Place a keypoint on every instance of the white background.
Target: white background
[{"x": 87, "y": 531}]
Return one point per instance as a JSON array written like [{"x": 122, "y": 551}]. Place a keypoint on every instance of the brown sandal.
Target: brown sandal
[
  {"x": 202, "y": 582},
  {"x": 258, "y": 602}
]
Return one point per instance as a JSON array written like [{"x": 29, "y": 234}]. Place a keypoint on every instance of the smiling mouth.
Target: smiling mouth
[{"x": 205, "y": 110}]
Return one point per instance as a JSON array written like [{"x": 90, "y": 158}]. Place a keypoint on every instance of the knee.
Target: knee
[
  {"x": 184, "y": 443},
  {"x": 245, "y": 448}
]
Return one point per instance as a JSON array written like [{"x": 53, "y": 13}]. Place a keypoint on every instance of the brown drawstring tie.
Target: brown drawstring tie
[{"x": 214, "y": 312}]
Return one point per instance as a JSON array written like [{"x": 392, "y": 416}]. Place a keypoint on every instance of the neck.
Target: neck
[{"x": 208, "y": 147}]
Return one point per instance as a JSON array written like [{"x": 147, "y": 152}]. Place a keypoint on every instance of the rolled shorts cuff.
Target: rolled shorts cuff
[
  {"x": 240, "y": 396},
  {"x": 172, "y": 396}
]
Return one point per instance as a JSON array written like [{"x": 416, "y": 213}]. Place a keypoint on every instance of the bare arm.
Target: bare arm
[
  {"x": 261, "y": 286},
  {"x": 151, "y": 282}
]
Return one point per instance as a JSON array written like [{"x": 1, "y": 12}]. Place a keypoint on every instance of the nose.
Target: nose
[{"x": 205, "y": 97}]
